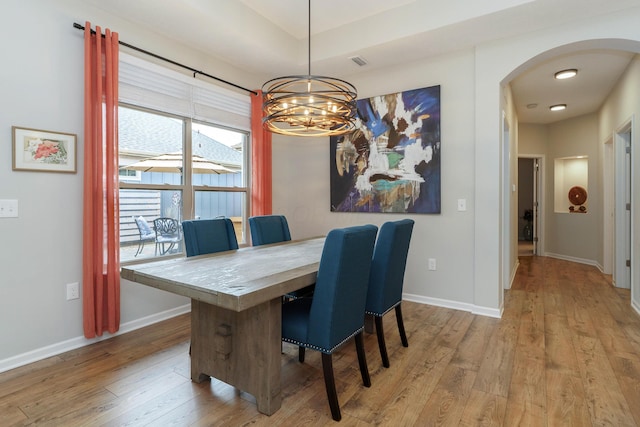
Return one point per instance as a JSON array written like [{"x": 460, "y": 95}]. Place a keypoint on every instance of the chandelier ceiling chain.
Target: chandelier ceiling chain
[{"x": 308, "y": 105}]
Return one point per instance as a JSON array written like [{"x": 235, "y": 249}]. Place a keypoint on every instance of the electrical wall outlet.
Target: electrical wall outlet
[
  {"x": 432, "y": 264},
  {"x": 8, "y": 208},
  {"x": 73, "y": 291}
]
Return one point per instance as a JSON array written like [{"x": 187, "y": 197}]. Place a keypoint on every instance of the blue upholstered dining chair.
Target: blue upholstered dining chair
[
  {"x": 335, "y": 313},
  {"x": 206, "y": 236},
  {"x": 267, "y": 229},
  {"x": 387, "y": 277}
]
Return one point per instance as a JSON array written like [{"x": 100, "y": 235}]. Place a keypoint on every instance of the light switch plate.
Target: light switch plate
[{"x": 8, "y": 208}]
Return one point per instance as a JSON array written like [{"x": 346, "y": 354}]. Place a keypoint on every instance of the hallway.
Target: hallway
[{"x": 578, "y": 344}]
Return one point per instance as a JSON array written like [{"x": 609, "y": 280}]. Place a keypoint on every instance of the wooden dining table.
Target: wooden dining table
[{"x": 236, "y": 309}]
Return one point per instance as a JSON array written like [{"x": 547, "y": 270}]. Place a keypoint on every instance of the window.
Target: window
[
  {"x": 156, "y": 181},
  {"x": 164, "y": 118},
  {"x": 129, "y": 175}
]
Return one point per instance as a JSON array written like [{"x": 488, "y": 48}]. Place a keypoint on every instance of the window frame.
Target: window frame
[{"x": 187, "y": 188}]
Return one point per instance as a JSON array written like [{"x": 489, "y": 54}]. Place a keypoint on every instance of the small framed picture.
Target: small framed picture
[{"x": 43, "y": 151}]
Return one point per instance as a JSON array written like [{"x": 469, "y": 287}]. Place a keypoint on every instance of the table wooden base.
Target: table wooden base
[{"x": 240, "y": 348}]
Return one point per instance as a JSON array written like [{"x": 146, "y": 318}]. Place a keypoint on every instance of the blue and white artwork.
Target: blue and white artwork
[{"x": 391, "y": 161}]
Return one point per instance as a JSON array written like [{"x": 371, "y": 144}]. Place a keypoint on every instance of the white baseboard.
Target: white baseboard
[
  {"x": 513, "y": 275},
  {"x": 574, "y": 259},
  {"x": 73, "y": 343},
  {"x": 474, "y": 309},
  {"x": 635, "y": 306}
]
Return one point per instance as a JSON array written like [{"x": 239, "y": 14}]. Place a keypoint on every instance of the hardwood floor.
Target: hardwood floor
[{"x": 565, "y": 353}]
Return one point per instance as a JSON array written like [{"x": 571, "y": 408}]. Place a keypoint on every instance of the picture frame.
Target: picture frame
[{"x": 43, "y": 151}]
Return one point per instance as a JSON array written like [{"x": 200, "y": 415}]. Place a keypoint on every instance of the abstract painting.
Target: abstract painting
[{"x": 390, "y": 162}]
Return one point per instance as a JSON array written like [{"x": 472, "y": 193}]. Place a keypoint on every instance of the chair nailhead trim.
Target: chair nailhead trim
[
  {"x": 324, "y": 350},
  {"x": 375, "y": 313}
]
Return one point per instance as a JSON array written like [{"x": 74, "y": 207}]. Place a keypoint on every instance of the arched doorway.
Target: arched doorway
[{"x": 614, "y": 118}]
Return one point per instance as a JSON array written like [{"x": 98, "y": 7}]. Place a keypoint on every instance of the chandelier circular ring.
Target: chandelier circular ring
[{"x": 309, "y": 106}]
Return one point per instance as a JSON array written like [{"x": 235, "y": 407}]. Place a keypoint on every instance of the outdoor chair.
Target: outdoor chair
[
  {"x": 168, "y": 232},
  {"x": 146, "y": 234},
  {"x": 387, "y": 277},
  {"x": 335, "y": 313}
]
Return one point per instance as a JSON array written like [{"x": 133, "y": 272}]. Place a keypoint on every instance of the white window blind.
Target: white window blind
[{"x": 149, "y": 85}]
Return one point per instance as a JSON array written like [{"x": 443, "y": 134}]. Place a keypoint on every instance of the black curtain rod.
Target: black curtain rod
[{"x": 162, "y": 58}]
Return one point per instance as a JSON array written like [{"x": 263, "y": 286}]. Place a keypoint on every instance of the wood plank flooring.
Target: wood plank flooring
[{"x": 565, "y": 353}]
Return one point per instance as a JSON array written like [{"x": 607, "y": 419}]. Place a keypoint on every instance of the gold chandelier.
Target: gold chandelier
[{"x": 308, "y": 105}]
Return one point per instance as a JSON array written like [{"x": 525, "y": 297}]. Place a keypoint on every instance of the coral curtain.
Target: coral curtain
[
  {"x": 260, "y": 161},
  {"x": 101, "y": 234}
]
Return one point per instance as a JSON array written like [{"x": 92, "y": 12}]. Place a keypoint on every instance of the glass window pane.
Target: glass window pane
[
  {"x": 150, "y": 144},
  {"x": 213, "y": 204},
  {"x": 218, "y": 156},
  {"x": 139, "y": 210}
]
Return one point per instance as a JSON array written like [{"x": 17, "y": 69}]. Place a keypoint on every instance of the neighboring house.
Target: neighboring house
[{"x": 143, "y": 135}]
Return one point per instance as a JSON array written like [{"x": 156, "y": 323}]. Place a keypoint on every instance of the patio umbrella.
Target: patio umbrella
[{"x": 172, "y": 163}]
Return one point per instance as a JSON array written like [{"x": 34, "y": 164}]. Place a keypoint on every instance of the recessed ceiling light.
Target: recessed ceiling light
[
  {"x": 566, "y": 74},
  {"x": 558, "y": 107},
  {"x": 531, "y": 106}
]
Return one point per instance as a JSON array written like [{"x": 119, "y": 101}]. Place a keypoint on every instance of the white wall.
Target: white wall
[
  {"x": 533, "y": 139},
  {"x": 623, "y": 105},
  {"x": 41, "y": 82},
  {"x": 577, "y": 237},
  {"x": 42, "y": 88},
  {"x": 509, "y": 179},
  {"x": 303, "y": 164},
  {"x": 574, "y": 236}
]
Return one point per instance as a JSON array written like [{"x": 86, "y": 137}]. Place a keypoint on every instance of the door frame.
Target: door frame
[
  {"x": 623, "y": 221},
  {"x": 539, "y": 197}
]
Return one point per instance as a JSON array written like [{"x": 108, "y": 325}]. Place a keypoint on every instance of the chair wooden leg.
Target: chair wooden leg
[
  {"x": 381, "y": 342},
  {"x": 330, "y": 384},
  {"x": 301, "y": 354},
  {"x": 403, "y": 335},
  {"x": 362, "y": 360}
]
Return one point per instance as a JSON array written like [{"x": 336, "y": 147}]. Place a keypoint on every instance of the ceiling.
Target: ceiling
[{"x": 270, "y": 38}]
